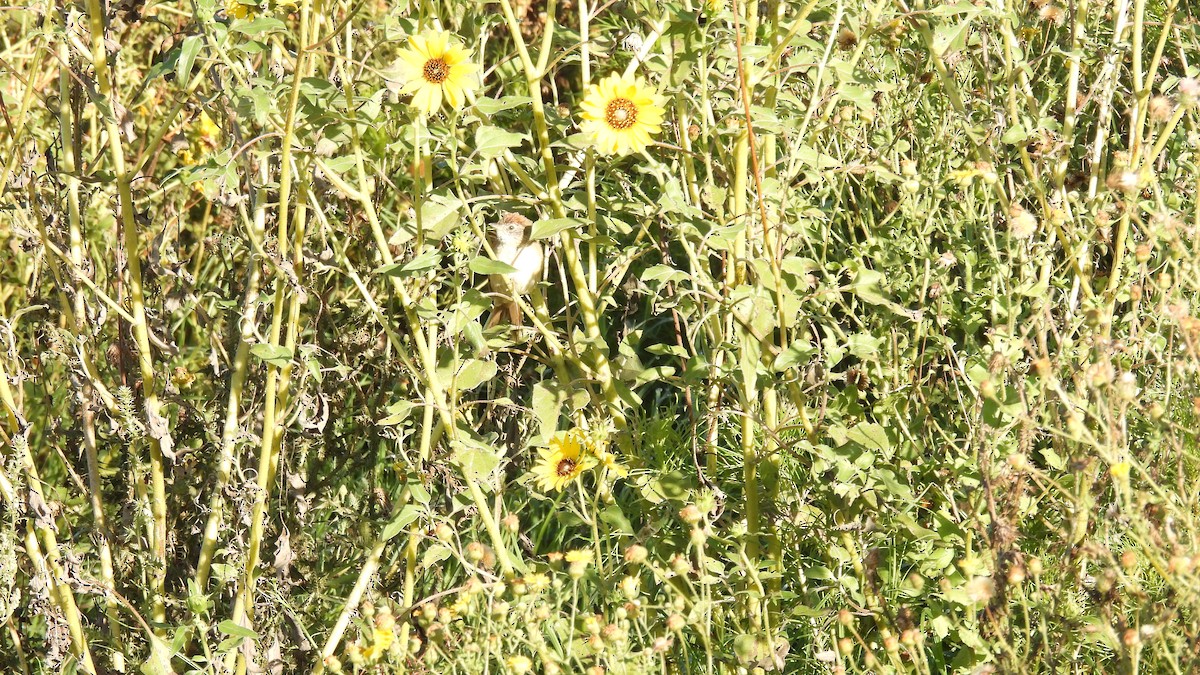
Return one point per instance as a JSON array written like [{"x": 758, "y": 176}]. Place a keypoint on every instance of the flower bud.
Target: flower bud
[{"x": 636, "y": 554}]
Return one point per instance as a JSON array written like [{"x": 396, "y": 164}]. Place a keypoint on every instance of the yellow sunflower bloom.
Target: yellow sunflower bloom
[
  {"x": 562, "y": 462},
  {"x": 435, "y": 67},
  {"x": 237, "y": 10},
  {"x": 620, "y": 114}
]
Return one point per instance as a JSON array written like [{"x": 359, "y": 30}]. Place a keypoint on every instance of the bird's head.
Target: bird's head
[{"x": 512, "y": 227}]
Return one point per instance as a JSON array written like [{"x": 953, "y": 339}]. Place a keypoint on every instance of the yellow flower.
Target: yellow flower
[
  {"x": 207, "y": 130},
  {"x": 537, "y": 582},
  {"x": 610, "y": 463},
  {"x": 435, "y": 67},
  {"x": 237, "y": 10},
  {"x": 519, "y": 664},
  {"x": 620, "y": 114},
  {"x": 1120, "y": 470},
  {"x": 582, "y": 555},
  {"x": 562, "y": 462}
]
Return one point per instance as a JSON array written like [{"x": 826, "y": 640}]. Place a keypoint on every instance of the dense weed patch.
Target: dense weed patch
[{"x": 557, "y": 336}]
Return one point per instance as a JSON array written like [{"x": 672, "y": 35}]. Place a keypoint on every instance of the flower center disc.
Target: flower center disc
[
  {"x": 620, "y": 114},
  {"x": 436, "y": 71},
  {"x": 565, "y": 467}
]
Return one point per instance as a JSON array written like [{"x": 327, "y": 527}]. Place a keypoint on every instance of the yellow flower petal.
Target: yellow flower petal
[
  {"x": 454, "y": 94},
  {"x": 621, "y": 114}
]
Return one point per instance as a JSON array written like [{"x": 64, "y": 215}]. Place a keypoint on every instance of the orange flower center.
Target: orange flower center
[
  {"x": 565, "y": 467},
  {"x": 620, "y": 114},
  {"x": 436, "y": 71}
]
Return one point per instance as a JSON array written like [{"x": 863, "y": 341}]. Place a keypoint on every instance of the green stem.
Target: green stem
[
  {"x": 156, "y": 422},
  {"x": 269, "y": 449}
]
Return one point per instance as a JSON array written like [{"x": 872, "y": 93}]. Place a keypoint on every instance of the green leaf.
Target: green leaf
[
  {"x": 427, "y": 260},
  {"x": 276, "y": 355},
  {"x": 491, "y": 142},
  {"x": 616, "y": 518},
  {"x": 258, "y": 26},
  {"x": 477, "y": 460},
  {"x": 869, "y": 435},
  {"x": 663, "y": 273},
  {"x": 470, "y": 374},
  {"x": 232, "y": 629},
  {"x": 187, "y": 57},
  {"x": 547, "y": 403},
  {"x": 491, "y": 106},
  {"x": 485, "y": 265},
  {"x": 866, "y": 286},
  {"x": 439, "y": 215},
  {"x": 435, "y": 555},
  {"x": 543, "y": 229},
  {"x": 159, "y": 661},
  {"x": 797, "y": 353},
  {"x": 407, "y": 515},
  {"x": 398, "y": 412}
]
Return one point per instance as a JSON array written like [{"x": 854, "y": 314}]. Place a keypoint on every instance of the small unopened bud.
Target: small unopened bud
[
  {"x": 1126, "y": 386},
  {"x": 1130, "y": 638},
  {"x": 1157, "y": 411},
  {"x": 636, "y": 554},
  {"x": 845, "y": 618},
  {"x": 1018, "y": 461},
  {"x": 1016, "y": 574},
  {"x": 691, "y": 514},
  {"x": 1142, "y": 252},
  {"x": 847, "y": 39},
  {"x": 630, "y": 587},
  {"x": 1189, "y": 91},
  {"x": 1179, "y": 564},
  {"x": 1161, "y": 108},
  {"x": 475, "y": 552},
  {"x": 1122, "y": 181},
  {"x": 1021, "y": 223}
]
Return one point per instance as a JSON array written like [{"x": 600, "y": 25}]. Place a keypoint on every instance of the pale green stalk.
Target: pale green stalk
[
  {"x": 156, "y": 422},
  {"x": 269, "y": 448},
  {"x": 237, "y": 382}
]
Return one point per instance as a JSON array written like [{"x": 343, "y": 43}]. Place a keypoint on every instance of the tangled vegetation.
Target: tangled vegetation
[{"x": 570, "y": 336}]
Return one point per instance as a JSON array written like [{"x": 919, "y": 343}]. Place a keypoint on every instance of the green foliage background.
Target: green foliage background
[{"x": 893, "y": 327}]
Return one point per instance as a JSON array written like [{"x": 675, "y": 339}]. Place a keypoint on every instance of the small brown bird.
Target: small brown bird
[{"x": 511, "y": 245}]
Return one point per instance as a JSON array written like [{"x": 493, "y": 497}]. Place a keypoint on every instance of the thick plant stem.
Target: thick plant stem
[
  {"x": 269, "y": 448},
  {"x": 351, "y": 604},
  {"x": 237, "y": 383},
  {"x": 750, "y": 483},
  {"x": 156, "y": 423},
  {"x": 74, "y": 313}
]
